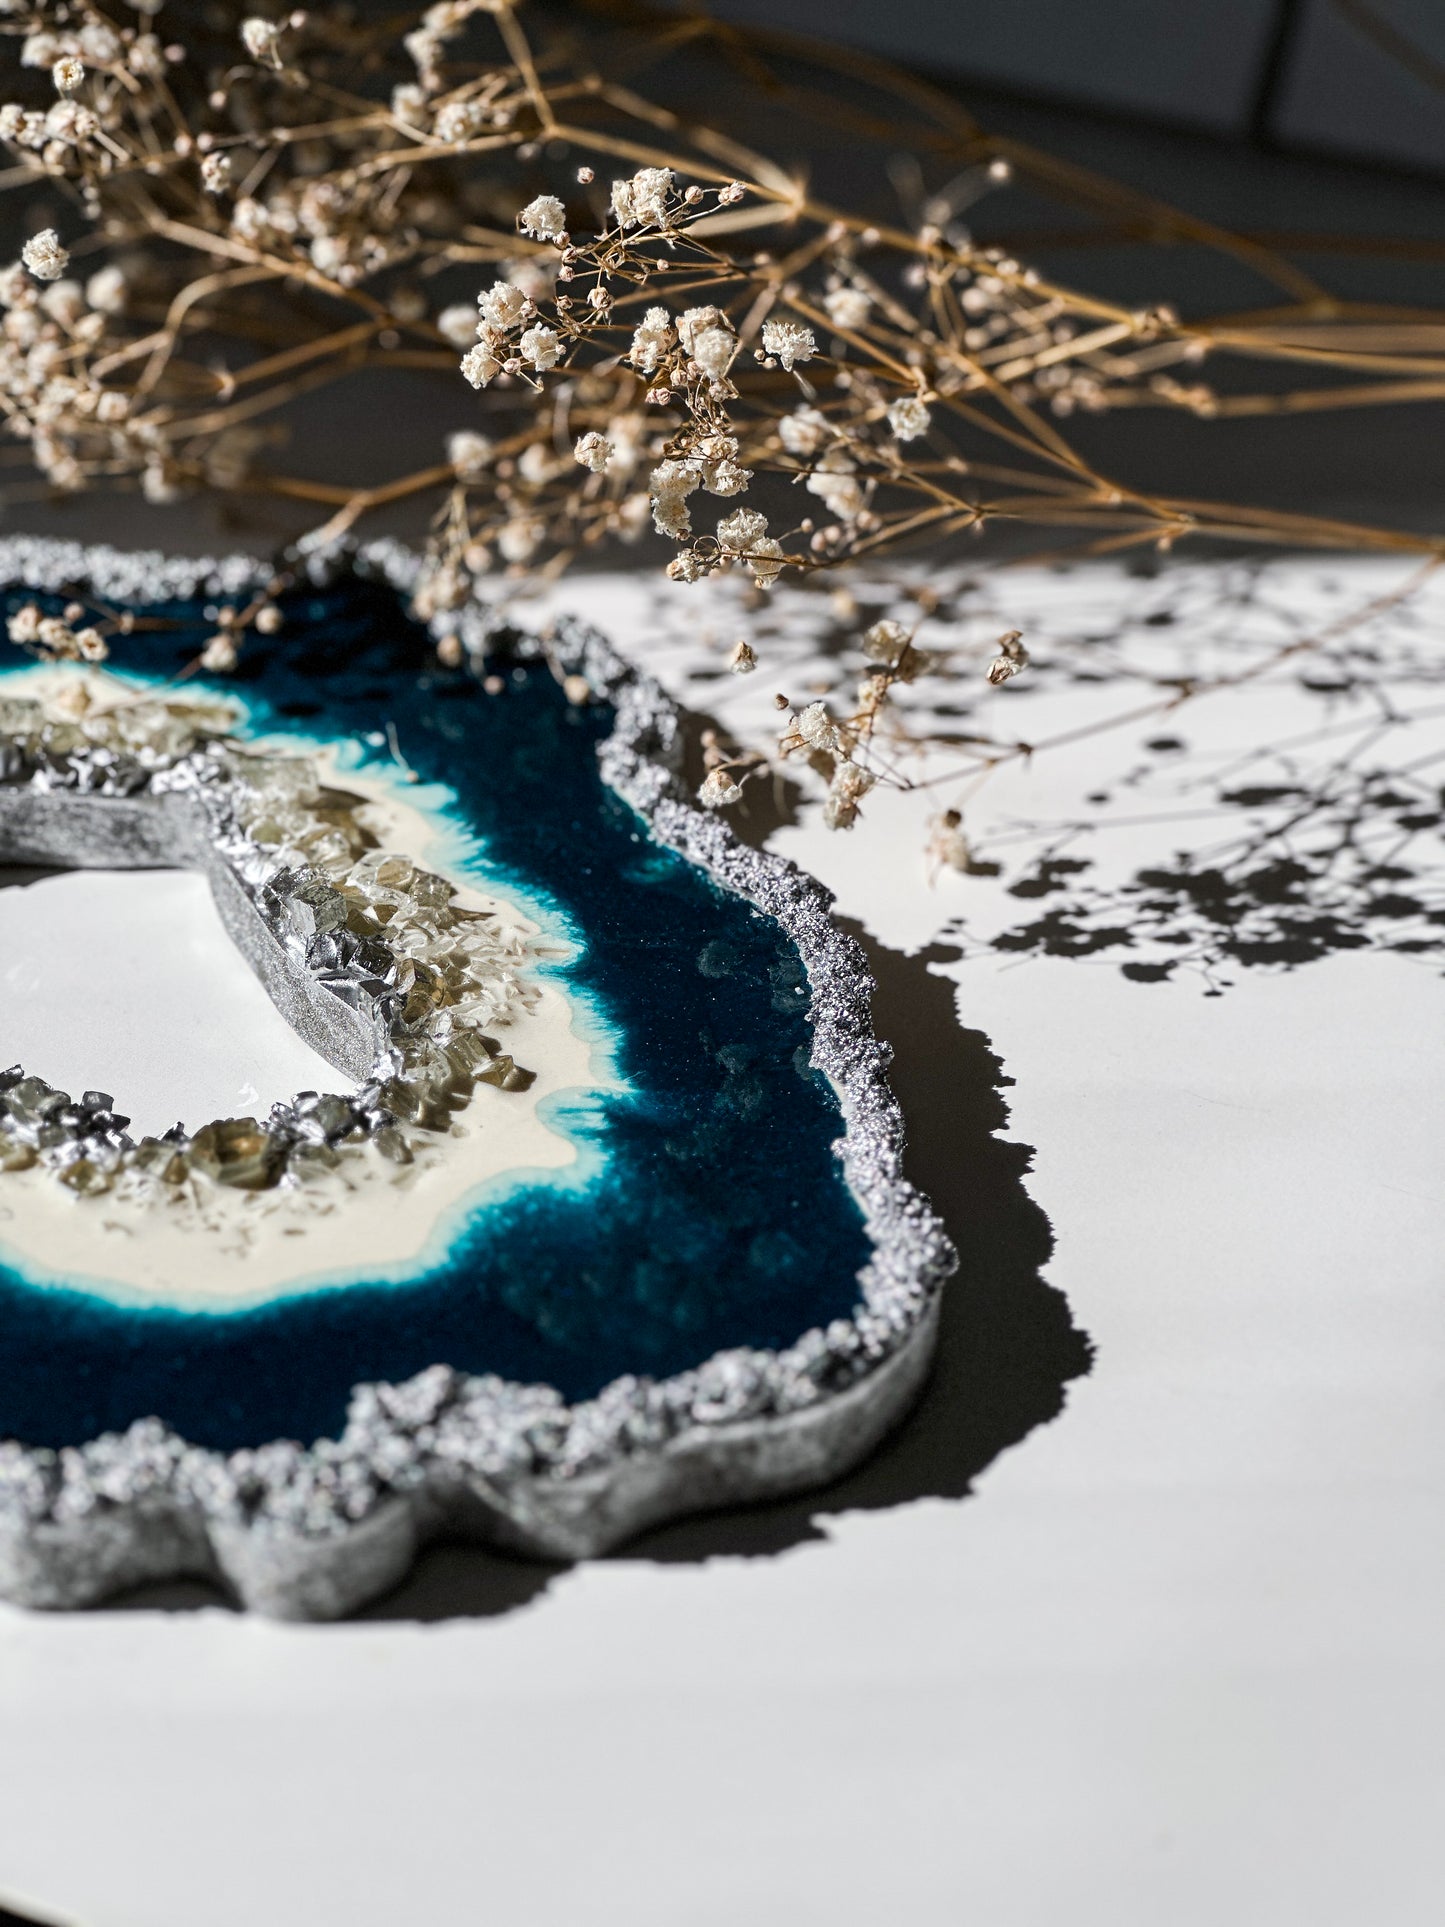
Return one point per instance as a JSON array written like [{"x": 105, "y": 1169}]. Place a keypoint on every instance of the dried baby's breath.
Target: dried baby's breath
[{"x": 644, "y": 324}]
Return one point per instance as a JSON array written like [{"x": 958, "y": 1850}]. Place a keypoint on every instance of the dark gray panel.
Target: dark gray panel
[
  {"x": 1350, "y": 93},
  {"x": 1196, "y": 62}
]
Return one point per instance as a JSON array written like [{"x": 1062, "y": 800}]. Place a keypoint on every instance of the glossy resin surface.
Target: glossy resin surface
[
  {"x": 705, "y": 1209},
  {"x": 726, "y": 1290}
]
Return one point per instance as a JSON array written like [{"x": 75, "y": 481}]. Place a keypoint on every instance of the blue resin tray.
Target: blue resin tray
[{"x": 725, "y": 1291}]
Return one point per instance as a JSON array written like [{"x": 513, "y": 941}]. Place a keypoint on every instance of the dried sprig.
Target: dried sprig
[{"x": 248, "y": 208}]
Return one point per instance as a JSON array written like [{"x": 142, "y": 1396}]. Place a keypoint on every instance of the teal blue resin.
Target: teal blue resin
[{"x": 707, "y": 1210}]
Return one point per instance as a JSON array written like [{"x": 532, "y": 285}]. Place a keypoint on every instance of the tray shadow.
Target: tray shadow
[{"x": 1008, "y": 1346}]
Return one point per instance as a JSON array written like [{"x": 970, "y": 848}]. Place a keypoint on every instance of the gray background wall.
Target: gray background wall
[{"x": 1304, "y": 74}]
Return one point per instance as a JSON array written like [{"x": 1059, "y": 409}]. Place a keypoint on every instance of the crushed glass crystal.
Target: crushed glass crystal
[{"x": 379, "y": 933}]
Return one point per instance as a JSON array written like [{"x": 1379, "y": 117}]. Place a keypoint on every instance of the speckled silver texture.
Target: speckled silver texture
[
  {"x": 313, "y": 1532},
  {"x": 184, "y": 806}
]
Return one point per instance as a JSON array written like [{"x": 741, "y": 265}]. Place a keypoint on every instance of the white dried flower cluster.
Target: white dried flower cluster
[
  {"x": 469, "y": 453},
  {"x": 814, "y": 729},
  {"x": 643, "y": 200},
  {"x": 344, "y": 232},
  {"x": 57, "y": 638},
  {"x": 713, "y": 349},
  {"x": 219, "y": 655},
  {"x": 848, "y": 307},
  {"x": 834, "y": 481},
  {"x": 909, "y": 418},
  {"x": 651, "y": 340},
  {"x": 545, "y": 219},
  {"x": 262, "y": 40},
  {"x": 716, "y": 458},
  {"x": 886, "y": 640},
  {"x": 540, "y": 347},
  {"x": 457, "y": 324},
  {"x": 804, "y": 432},
  {"x": 47, "y": 336},
  {"x": 744, "y": 534},
  {"x": 519, "y": 539},
  {"x": 593, "y": 451},
  {"x": 789, "y": 341},
  {"x": 669, "y": 486},
  {"x": 105, "y": 291},
  {"x": 43, "y": 254},
  {"x": 226, "y": 205},
  {"x": 456, "y": 121},
  {"x": 718, "y": 789},
  {"x": 503, "y": 308},
  {"x": 849, "y": 785}
]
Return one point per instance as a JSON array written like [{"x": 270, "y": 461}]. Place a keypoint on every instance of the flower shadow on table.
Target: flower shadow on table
[{"x": 1008, "y": 1346}]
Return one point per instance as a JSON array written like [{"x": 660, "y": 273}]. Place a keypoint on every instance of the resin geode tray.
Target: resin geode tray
[{"x": 603, "y": 1220}]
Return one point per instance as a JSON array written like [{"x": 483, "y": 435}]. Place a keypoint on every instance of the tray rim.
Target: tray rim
[{"x": 546, "y": 1479}]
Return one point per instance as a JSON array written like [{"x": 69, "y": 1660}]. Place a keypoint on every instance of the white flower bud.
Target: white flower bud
[
  {"x": 909, "y": 418},
  {"x": 642, "y": 199},
  {"x": 713, "y": 351},
  {"x": 744, "y": 534},
  {"x": 502, "y": 306},
  {"x": 480, "y": 365},
  {"x": 592, "y": 451},
  {"x": 541, "y": 346},
  {"x": 817, "y": 728},
  {"x": 651, "y": 341},
  {"x": 261, "y": 39},
  {"x": 848, "y": 307},
  {"x": 468, "y": 452},
  {"x": 718, "y": 789},
  {"x": 545, "y": 219},
  {"x": 740, "y": 530},
  {"x": 765, "y": 559},
  {"x": 520, "y": 539},
  {"x": 790, "y": 341},
  {"x": 219, "y": 655},
  {"x": 105, "y": 291},
  {"x": 1012, "y": 657},
  {"x": 885, "y": 641},
  {"x": 46, "y": 259},
  {"x": 804, "y": 431},
  {"x": 458, "y": 324},
  {"x": 849, "y": 786}
]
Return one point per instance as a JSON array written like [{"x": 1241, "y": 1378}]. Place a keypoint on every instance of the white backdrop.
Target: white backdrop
[{"x": 1175, "y": 1658}]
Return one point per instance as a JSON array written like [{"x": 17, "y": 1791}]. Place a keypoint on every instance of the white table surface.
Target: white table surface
[{"x": 1173, "y": 1660}]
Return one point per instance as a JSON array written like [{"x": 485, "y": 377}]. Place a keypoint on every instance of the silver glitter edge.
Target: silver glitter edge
[{"x": 313, "y": 1532}]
